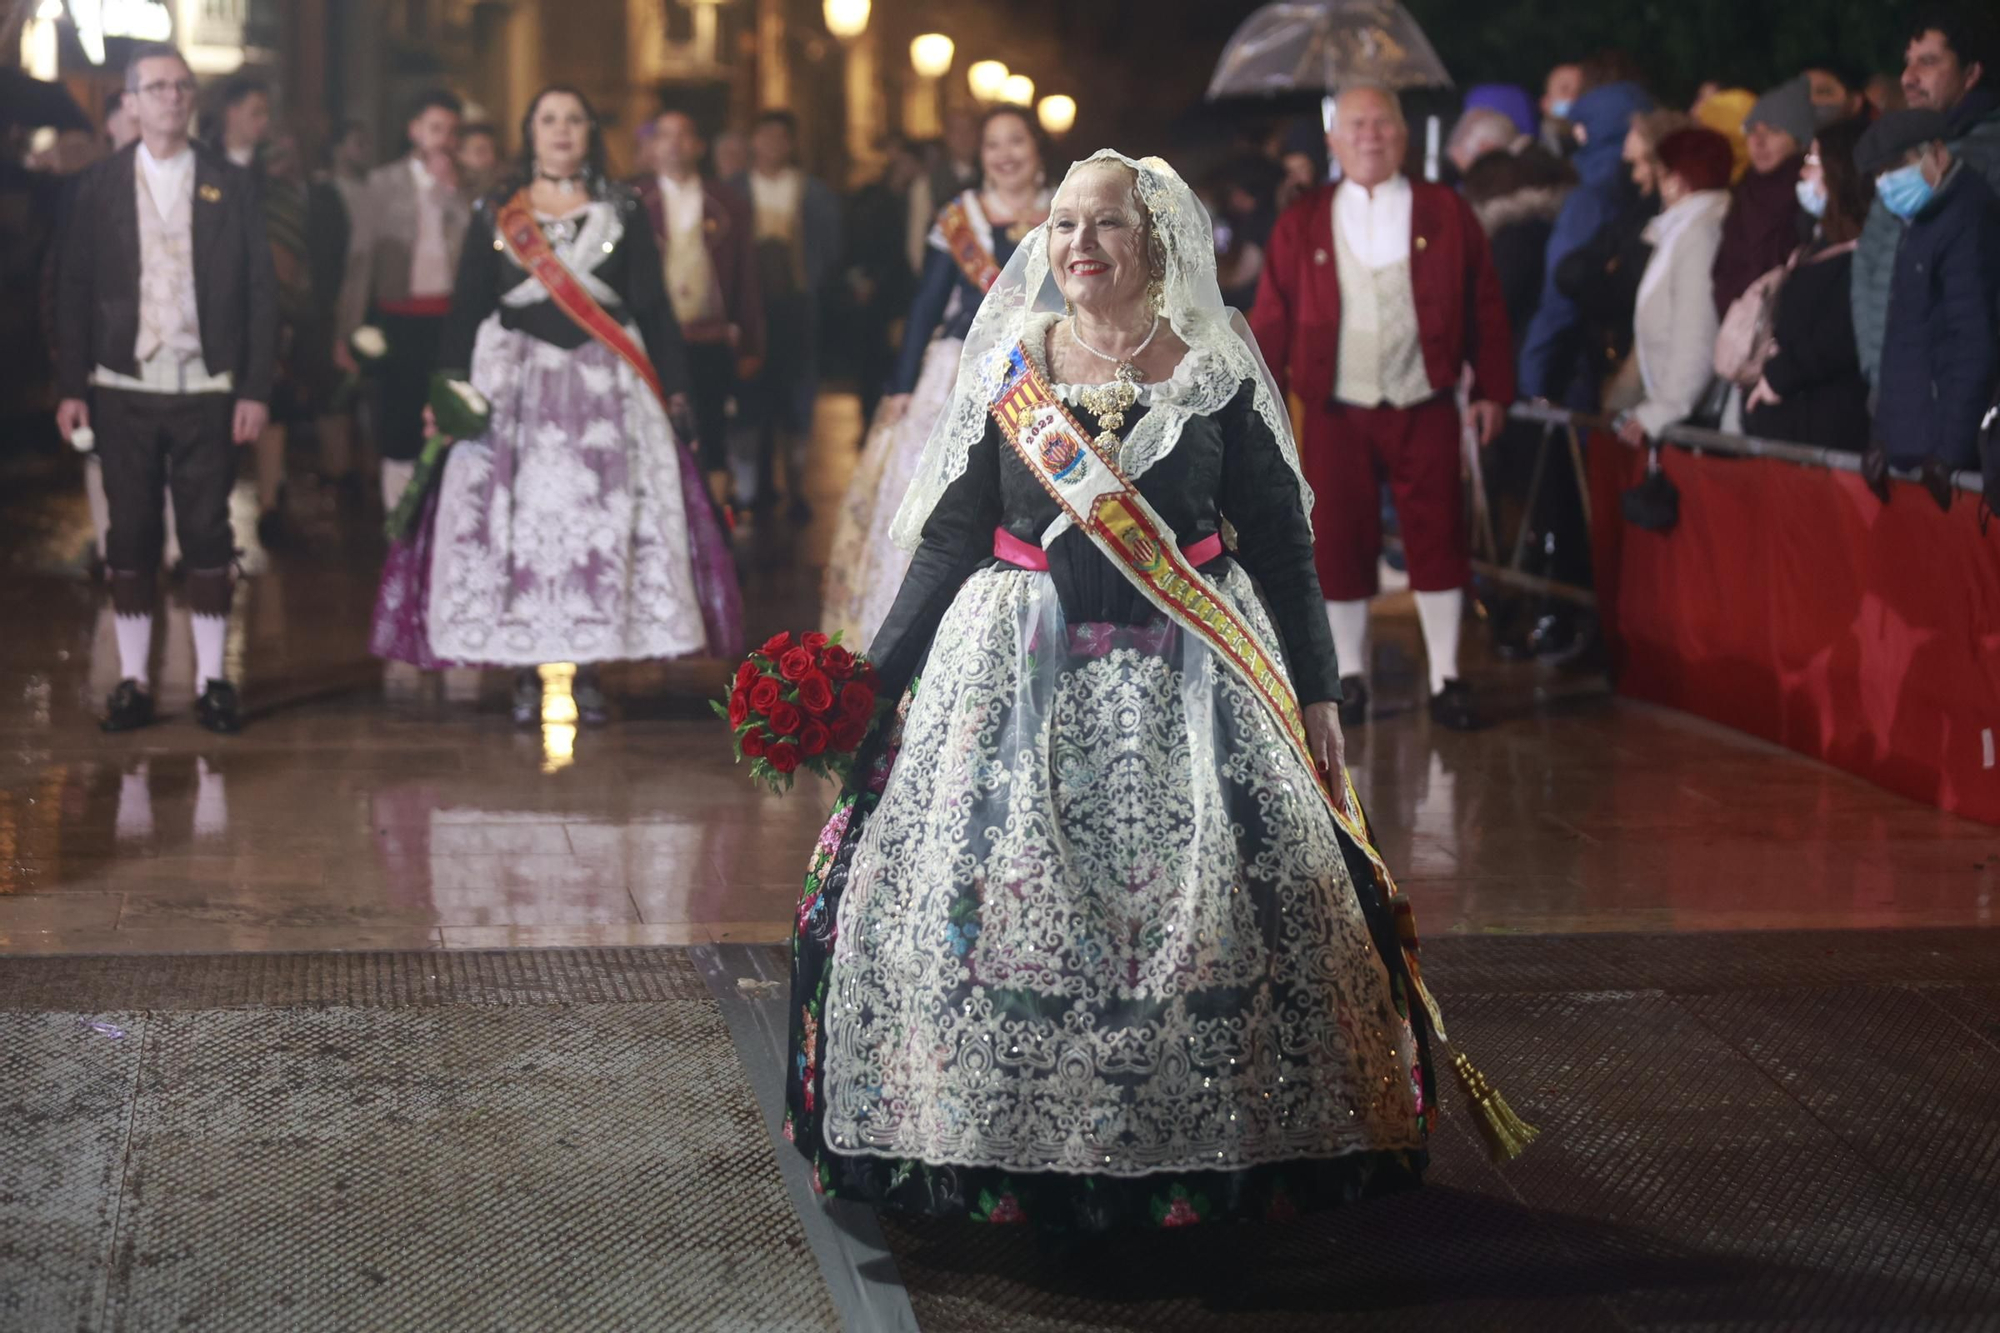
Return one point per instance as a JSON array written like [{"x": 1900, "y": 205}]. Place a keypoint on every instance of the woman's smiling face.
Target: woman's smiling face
[{"x": 1097, "y": 241}]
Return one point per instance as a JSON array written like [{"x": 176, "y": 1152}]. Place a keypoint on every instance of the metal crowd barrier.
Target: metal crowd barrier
[{"x": 1562, "y": 439}]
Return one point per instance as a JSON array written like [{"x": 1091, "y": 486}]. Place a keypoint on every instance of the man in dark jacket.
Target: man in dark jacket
[
  {"x": 1952, "y": 67},
  {"x": 709, "y": 255},
  {"x": 166, "y": 346},
  {"x": 1939, "y": 353}
]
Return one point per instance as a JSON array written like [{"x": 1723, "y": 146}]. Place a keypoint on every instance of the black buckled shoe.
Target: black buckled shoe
[
  {"x": 219, "y": 709},
  {"x": 1453, "y": 709},
  {"x": 128, "y": 709},
  {"x": 1353, "y": 701}
]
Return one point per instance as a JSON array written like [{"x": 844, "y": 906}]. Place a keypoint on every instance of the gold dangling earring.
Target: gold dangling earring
[
  {"x": 1156, "y": 293},
  {"x": 1069, "y": 308}
]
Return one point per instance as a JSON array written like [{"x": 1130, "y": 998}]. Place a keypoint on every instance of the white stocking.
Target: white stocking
[
  {"x": 1440, "y": 613},
  {"x": 1349, "y": 622}
]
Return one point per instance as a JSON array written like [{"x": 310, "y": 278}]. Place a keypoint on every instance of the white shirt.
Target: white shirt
[
  {"x": 1376, "y": 225},
  {"x": 168, "y": 180},
  {"x": 776, "y": 201},
  {"x": 430, "y": 256},
  {"x": 243, "y": 157},
  {"x": 684, "y": 204}
]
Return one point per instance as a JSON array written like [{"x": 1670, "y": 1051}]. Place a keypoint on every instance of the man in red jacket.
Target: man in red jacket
[{"x": 1376, "y": 294}]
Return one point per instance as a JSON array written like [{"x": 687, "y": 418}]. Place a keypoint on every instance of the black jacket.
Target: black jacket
[
  {"x": 1938, "y": 355},
  {"x": 236, "y": 289},
  {"x": 1602, "y": 278},
  {"x": 1816, "y": 369},
  {"x": 1227, "y": 465},
  {"x": 631, "y": 269}
]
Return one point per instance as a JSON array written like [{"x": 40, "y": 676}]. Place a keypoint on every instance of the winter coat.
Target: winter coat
[
  {"x": 1939, "y": 351},
  {"x": 1549, "y": 354},
  {"x": 1975, "y": 140},
  {"x": 1815, "y": 369}
]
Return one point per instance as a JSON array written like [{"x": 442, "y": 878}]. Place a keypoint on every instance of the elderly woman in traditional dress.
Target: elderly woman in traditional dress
[
  {"x": 1095, "y": 937},
  {"x": 974, "y": 237},
  {"x": 576, "y": 528}
]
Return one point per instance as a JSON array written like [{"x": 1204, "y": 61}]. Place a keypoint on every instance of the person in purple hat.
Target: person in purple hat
[{"x": 1510, "y": 101}]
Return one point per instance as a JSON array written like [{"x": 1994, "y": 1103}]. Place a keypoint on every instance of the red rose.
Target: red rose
[
  {"x": 753, "y": 744},
  {"x": 812, "y": 739},
  {"x": 765, "y": 694},
  {"x": 746, "y": 675},
  {"x": 815, "y": 692},
  {"x": 813, "y": 640},
  {"x": 856, "y": 700},
  {"x": 776, "y": 644},
  {"x": 848, "y": 734},
  {"x": 795, "y": 664},
  {"x": 837, "y": 661},
  {"x": 784, "y": 756},
  {"x": 739, "y": 708},
  {"x": 785, "y": 720}
]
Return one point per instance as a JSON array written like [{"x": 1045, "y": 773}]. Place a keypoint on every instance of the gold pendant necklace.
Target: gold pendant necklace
[{"x": 1110, "y": 402}]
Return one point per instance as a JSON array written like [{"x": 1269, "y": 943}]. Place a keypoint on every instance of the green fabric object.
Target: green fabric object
[{"x": 457, "y": 419}]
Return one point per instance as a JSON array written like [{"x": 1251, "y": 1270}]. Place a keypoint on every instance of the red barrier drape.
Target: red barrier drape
[{"x": 1789, "y": 604}]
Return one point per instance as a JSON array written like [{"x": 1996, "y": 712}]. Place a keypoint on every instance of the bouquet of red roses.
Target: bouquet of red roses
[{"x": 799, "y": 705}]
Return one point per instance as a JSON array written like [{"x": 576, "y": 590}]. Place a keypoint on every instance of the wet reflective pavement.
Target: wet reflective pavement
[{"x": 365, "y": 809}]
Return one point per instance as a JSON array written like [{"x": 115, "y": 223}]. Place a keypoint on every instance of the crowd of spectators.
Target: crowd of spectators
[{"x": 1818, "y": 263}]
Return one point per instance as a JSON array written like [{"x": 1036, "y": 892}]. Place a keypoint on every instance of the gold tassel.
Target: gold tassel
[{"x": 1507, "y": 1135}]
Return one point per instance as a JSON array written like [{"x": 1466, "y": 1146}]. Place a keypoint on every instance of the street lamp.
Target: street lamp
[
  {"x": 930, "y": 55},
  {"x": 1018, "y": 90},
  {"x": 846, "y": 19},
  {"x": 986, "y": 78},
  {"x": 1057, "y": 114}
]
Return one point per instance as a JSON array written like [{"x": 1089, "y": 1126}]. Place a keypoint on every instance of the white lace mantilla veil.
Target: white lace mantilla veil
[{"x": 1221, "y": 351}]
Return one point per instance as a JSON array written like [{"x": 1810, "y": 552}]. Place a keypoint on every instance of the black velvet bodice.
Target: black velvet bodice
[
  {"x": 1227, "y": 465},
  {"x": 631, "y": 269}
]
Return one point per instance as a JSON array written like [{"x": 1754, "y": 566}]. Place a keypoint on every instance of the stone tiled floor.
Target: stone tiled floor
[{"x": 359, "y": 812}]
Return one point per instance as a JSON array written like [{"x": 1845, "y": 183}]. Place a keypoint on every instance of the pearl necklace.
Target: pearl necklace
[{"x": 1124, "y": 364}]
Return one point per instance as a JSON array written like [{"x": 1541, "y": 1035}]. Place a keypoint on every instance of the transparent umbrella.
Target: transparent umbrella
[{"x": 1321, "y": 46}]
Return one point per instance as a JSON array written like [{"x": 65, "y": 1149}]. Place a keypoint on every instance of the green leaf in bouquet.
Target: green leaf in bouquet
[{"x": 462, "y": 412}]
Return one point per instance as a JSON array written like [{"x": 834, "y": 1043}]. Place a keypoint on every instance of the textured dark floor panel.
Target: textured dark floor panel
[
  {"x": 474, "y": 1151},
  {"x": 1766, "y": 1131},
  {"x": 367, "y": 980}
]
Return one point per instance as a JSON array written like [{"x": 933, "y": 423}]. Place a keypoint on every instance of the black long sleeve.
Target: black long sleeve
[
  {"x": 260, "y": 303},
  {"x": 1815, "y": 329},
  {"x": 77, "y": 257},
  {"x": 647, "y": 302},
  {"x": 927, "y": 309},
  {"x": 475, "y": 293},
  {"x": 1260, "y": 498},
  {"x": 957, "y": 538}
]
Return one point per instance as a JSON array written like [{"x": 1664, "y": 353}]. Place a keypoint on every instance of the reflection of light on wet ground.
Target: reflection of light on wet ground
[{"x": 558, "y": 716}]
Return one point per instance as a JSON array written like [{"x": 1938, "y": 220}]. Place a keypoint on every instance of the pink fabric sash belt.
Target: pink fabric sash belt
[{"x": 1026, "y": 555}]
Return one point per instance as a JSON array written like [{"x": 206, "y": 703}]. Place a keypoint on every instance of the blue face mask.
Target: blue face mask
[
  {"x": 1904, "y": 191},
  {"x": 1812, "y": 197},
  {"x": 1560, "y": 110}
]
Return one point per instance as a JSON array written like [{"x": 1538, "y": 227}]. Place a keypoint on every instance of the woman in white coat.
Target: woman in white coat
[{"x": 1674, "y": 323}]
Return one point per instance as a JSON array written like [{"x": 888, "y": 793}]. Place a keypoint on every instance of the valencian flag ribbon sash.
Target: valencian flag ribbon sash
[
  {"x": 1100, "y": 500},
  {"x": 532, "y": 251},
  {"x": 961, "y": 239}
]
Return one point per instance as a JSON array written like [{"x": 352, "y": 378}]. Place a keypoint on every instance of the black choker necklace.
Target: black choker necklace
[{"x": 567, "y": 182}]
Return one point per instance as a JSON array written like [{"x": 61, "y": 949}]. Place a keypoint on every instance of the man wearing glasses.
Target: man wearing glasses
[{"x": 165, "y": 337}]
